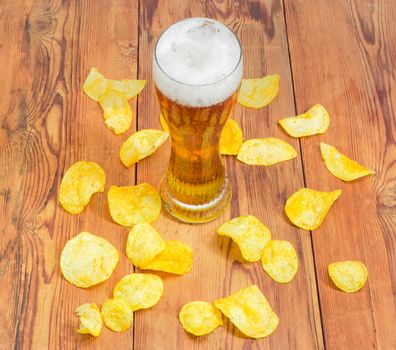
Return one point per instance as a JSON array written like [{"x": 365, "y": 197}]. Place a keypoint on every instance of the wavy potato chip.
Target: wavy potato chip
[
  {"x": 96, "y": 85},
  {"x": 231, "y": 138},
  {"x": 87, "y": 260},
  {"x": 280, "y": 261},
  {"x": 143, "y": 244},
  {"x": 200, "y": 317},
  {"x": 314, "y": 121},
  {"x": 131, "y": 205},
  {"x": 90, "y": 319},
  {"x": 79, "y": 183},
  {"x": 349, "y": 276},
  {"x": 176, "y": 258},
  {"x": 164, "y": 124},
  {"x": 249, "y": 234},
  {"x": 117, "y": 112},
  {"x": 139, "y": 290},
  {"x": 117, "y": 315},
  {"x": 140, "y": 145},
  {"x": 249, "y": 311},
  {"x": 265, "y": 151},
  {"x": 258, "y": 93},
  {"x": 308, "y": 208},
  {"x": 341, "y": 166}
]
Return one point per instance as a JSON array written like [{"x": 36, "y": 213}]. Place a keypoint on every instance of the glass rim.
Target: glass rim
[{"x": 198, "y": 85}]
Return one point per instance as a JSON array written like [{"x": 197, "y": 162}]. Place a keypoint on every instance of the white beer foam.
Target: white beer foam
[{"x": 198, "y": 62}]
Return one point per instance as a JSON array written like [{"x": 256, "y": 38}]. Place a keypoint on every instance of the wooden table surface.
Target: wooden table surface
[{"x": 339, "y": 53}]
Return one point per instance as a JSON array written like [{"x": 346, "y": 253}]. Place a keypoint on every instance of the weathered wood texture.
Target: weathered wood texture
[
  {"x": 343, "y": 55},
  {"x": 258, "y": 191}
]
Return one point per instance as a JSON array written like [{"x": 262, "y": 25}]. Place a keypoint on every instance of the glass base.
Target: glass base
[{"x": 196, "y": 213}]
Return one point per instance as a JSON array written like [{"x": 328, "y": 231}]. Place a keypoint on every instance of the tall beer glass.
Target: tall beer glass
[{"x": 197, "y": 69}]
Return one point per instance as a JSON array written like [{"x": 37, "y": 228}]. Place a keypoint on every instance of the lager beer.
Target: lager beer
[{"x": 197, "y": 72}]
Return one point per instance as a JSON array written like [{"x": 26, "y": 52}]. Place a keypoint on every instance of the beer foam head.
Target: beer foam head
[{"x": 198, "y": 62}]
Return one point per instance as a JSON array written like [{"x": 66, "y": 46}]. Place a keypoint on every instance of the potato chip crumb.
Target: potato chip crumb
[
  {"x": 90, "y": 319},
  {"x": 200, "y": 317}
]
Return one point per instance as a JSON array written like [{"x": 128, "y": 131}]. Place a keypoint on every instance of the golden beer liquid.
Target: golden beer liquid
[{"x": 195, "y": 187}]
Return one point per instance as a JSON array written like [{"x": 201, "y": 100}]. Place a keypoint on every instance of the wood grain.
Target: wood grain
[
  {"x": 47, "y": 124},
  {"x": 345, "y": 59},
  {"x": 258, "y": 191}
]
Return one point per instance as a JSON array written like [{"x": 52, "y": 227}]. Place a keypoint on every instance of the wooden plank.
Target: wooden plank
[
  {"x": 47, "y": 124},
  {"x": 343, "y": 56},
  {"x": 258, "y": 191}
]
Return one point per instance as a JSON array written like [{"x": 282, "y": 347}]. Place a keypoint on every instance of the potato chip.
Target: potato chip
[
  {"x": 176, "y": 258},
  {"x": 90, "y": 319},
  {"x": 131, "y": 205},
  {"x": 116, "y": 111},
  {"x": 314, "y": 121},
  {"x": 87, "y": 260},
  {"x": 140, "y": 145},
  {"x": 164, "y": 123},
  {"x": 308, "y": 208},
  {"x": 79, "y": 183},
  {"x": 127, "y": 87},
  {"x": 143, "y": 244},
  {"x": 96, "y": 85},
  {"x": 341, "y": 166},
  {"x": 280, "y": 261},
  {"x": 258, "y": 93},
  {"x": 231, "y": 138},
  {"x": 349, "y": 276},
  {"x": 250, "y": 312},
  {"x": 265, "y": 151},
  {"x": 117, "y": 315},
  {"x": 249, "y": 234},
  {"x": 139, "y": 290},
  {"x": 200, "y": 317}
]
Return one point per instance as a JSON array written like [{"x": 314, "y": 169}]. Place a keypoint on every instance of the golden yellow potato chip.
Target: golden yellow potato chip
[
  {"x": 314, "y": 121},
  {"x": 90, "y": 319},
  {"x": 139, "y": 290},
  {"x": 141, "y": 144},
  {"x": 87, "y": 260},
  {"x": 79, "y": 183},
  {"x": 131, "y": 205},
  {"x": 280, "y": 261},
  {"x": 200, "y": 317},
  {"x": 117, "y": 112},
  {"x": 117, "y": 315},
  {"x": 249, "y": 311},
  {"x": 176, "y": 258},
  {"x": 308, "y": 208},
  {"x": 143, "y": 244},
  {"x": 265, "y": 151},
  {"x": 127, "y": 87},
  {"x": 258, "y": 93},
  {"x": 249, "y": 234},
  {"x": 231, "y": 138},
  {"x": 349, "y": 276},
  {"x": 96, "y": 85},
  {"x": 163, "y": 123},
  {"x": 341, "y": 166}
]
